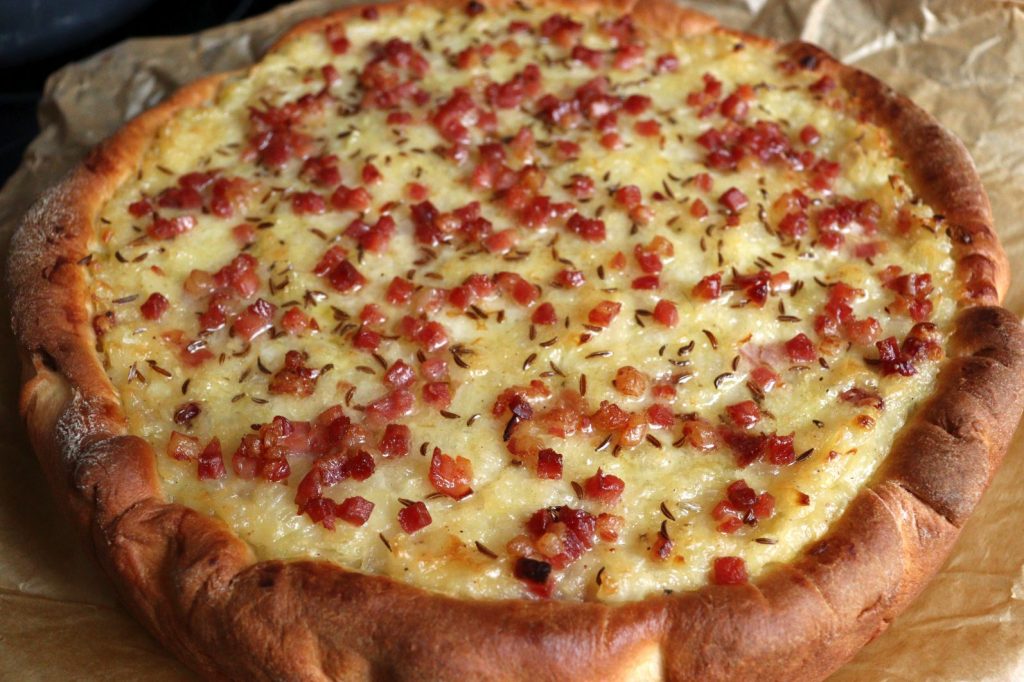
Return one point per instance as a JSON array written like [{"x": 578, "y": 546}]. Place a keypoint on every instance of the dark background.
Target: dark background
[{"x": 22, "y": 77}]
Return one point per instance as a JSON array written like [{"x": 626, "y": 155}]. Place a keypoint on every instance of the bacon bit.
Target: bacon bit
[
  {"x": 666, "y": 63},
  {"x": 801, "y": 349},
  {"x": 630, "y": 381},
  {"x": 749, "y": 447},
  {"x": 169, "y": 228},
  {"x": 742, "y": 505},
  {"x": 764, "y": 378},
  {"x": 699, "y": 434},
  {"x": 570, "y": 279},
  {"x": 609, "y": 526},
  {"x": 183, "y": 448},
  {"x": 512, "y": 284},
  {"x": 561, "y": 30},
  {"x": 589, "y": 229},
  {"x": 744, "y": 414},
  {"x": 155, "y": 306},
  {"x": 604, "y": 488},
  {"x": 396, "y": 441},
  {"x": 335, "y": 35},
  {"x": 647, "y": 128},
  {"x": 451, "y": 476},
  {"x": 562, "y": 534},
  {"x": 416, "y": 192},
  {"x": 355, "y": 510},
  {"x": 366, "y": 339},
  {"x": 912, "y": 292},
  {"x": 294, "y": 378},
  {"x": 729, "y": 570},
  {"x": 254, "y": 320},
  {"x": 397, "y": 403},
  {"x": 140, "y": 208},
  {"x": 734, "y": 200},
  {"x": 545, "y": 314},
  {"x": 351, "y": 199},
  {"x": 893, "y": 360},
  {"x": 665, "y": 313},
  {"x": 603, "y": 313},
  {"x": 809, "y": 135},
  {"x": 399, "y": 291},
  {"x": 659, "y": 415},
  {"x": 211, "y": 461},
  {"x": 709, "y": 288},
  {"x": 661, "y": 550},
  {"x": 414, "y": 517},
  {"x": 438, "y": 394},
  {"x": 308, "y": 203},
  {"x": 549, "y": 464},
  {"x": 629, "y": 196},
  {"x": 244, "y": 234}
]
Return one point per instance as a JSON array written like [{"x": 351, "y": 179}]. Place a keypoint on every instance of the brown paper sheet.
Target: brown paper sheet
[{"x": 962, "y": 61}]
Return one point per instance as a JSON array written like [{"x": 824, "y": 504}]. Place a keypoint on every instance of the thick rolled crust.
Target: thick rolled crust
[{"x": 200, "y": 590}]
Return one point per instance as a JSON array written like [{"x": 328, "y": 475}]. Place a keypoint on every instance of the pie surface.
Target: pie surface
[
  {"x": 590, "y": 338},
  {"x": 678, "y": 255}
]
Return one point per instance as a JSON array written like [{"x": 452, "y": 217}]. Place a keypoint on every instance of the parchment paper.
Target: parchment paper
[{"x": 962, "y": 61}]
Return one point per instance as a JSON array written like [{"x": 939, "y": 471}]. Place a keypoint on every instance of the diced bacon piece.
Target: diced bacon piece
[
  {"x": 355, "y": 510},
  {"x": 603, "y": 488},
  {"x": 183, "y": 448},
  {"x": 801, "y": 349},
  {"x": 744, "y": 414},
  {"x": 893, "y": 360},
  {"x": 396, "y": 441},
  {"x": 647, "y": 128},
  {"x": 604, "y": 313},
  {"x": 244, "y": 234},
  {"x": 438, "y": 394},
  {"x": 211, "y": 462},
  {"x": 709, "y": 287},
  {"x": 414, "y": 517},
  {"x": 589, "y": 229},
  {"x": 628, "y": 196},
  {"x": 665, "y": 313},
  {"x": 308, "y": 203},
  {"x": 729, "y": 570},
  {"x": 549, "y": 464},
  {"x": 660, "y": 416},
  {"x": 169, "y": 228},
  {"x": 451, "y": 476},
  {"x": 296, "y": 322},
  {"x": 356, "y": 199},
  {"x": 294, "y": 377},
  {"x": 399, "y": 291},
  {"x": 155, "y": 306},
  {"x": 255, "y": 319},
  {"x": 544, "y": 314},
  {"x": 366, "y": 339},
  {"x": 630, "y": 381},
  {"x": 512, "y": 284},
  {"x": 699, "y": 434},
  {"x": 570, "y": 279},
  {"x": 734, "y": 200},
  {"x": 397, "y": 403}
]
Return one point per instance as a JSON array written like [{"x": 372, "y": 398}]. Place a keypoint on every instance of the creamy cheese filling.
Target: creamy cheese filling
[{"x": 669, "y": 534}]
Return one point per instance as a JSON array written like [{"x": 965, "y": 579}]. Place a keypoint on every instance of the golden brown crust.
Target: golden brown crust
[{"x": 197, "y": 587}]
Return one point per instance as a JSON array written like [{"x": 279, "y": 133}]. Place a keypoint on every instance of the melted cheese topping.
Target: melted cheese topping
[{"x": 670, "y": 487}]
